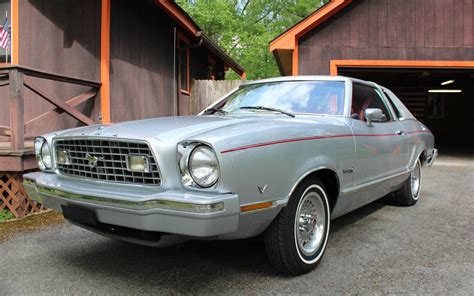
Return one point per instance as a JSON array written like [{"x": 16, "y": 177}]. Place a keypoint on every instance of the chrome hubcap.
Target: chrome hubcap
[
  {"x": 310, "y": 223},
  {"x": 416, "y": 181}
]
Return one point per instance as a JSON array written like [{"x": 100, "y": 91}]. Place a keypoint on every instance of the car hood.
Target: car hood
[
  {"x": 166, "y": 129},
  {"x": 210, "y": 127}
]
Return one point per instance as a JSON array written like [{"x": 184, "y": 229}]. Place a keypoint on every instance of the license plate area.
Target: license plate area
[{"x": 79, "y": 214}]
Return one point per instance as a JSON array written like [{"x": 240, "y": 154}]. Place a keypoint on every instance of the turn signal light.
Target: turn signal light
[{"x": 257, "y": 206}]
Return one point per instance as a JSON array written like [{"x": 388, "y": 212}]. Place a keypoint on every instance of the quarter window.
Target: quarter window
[
  {"x": 364, "y": 97},
  {"x": 395, "y": 109}
]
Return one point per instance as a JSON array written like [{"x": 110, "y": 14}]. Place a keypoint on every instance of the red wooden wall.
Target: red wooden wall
[
  {"x": 61, "y": 36},
  {"x": 391, "y": 30}
]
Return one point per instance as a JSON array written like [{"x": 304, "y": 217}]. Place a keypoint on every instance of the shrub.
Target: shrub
[{"x": 5, "y": 215}]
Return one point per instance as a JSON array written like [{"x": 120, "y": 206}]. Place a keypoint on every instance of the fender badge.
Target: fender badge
[
  {"x": 261, "y": 189},
  {"x": 348, "y": 171}
]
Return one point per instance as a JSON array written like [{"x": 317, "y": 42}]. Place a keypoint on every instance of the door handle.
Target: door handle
[{"x": 400, "y": 133}]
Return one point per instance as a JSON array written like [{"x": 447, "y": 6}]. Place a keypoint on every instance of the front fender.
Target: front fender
[{"x": 279, "y": 168}]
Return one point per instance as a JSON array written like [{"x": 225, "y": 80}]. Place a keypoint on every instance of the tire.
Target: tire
[
  {"x": 297, "y": 247},
  {"x": 409, "y": 194}
]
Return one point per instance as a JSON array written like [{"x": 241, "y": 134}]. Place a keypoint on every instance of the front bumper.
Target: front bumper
[
  {"x": 199, "y": 214},
  {"x": 431, "y": 156}
]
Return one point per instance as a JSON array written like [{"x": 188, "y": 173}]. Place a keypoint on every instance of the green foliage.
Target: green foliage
[
  {"x": 243, "y": 28},
  {"x": 5, "y": 215}
]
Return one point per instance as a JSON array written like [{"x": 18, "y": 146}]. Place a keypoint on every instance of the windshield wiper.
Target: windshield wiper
[
  {"x": 268, "y": 109},
  {"x": 215, "y": 110}
]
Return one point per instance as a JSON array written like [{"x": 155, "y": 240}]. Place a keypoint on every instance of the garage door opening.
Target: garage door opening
[{"x": 443, "y": 99}]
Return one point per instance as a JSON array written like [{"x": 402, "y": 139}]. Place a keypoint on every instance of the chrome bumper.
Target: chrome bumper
[{"x": 199, "y": 214}]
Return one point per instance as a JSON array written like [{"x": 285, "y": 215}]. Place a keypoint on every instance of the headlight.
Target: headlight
[
  {"x": 203, "y": 166},
  {"x": 43, "y": 154}
]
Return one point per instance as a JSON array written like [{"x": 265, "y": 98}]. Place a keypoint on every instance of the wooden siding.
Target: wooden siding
[
  {"x": 61, "y": 36},
  {"x": 142, "y": 82},
  {"x": 391, "y": 30},
  {"x": 142, "y": 73}
]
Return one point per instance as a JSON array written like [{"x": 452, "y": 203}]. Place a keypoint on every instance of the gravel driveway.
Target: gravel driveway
[{"x": 381, "y": 248}]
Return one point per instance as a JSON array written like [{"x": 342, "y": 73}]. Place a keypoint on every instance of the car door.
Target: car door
[
  {"x": 408, "y": 125},
  {"x": 378, "y": 146}
]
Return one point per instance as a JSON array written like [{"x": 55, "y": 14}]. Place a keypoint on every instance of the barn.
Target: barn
[
  {"x": 421, "y": 49},
  {"x": 82, "y": 62}
]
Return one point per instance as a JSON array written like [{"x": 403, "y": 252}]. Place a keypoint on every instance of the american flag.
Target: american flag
[{"x": 5, "y": 35}]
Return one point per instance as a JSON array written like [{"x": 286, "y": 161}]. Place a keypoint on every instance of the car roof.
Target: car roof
[{"x": 310, "y": 78}]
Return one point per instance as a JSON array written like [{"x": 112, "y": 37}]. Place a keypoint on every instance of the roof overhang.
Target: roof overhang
[
  {"x": 220, "y": 53},
  {"x": 285, "y": 46},
  {"x": 186, "y": 22}
]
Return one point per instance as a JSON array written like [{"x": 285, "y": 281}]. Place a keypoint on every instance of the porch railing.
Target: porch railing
[{"x": 18, "y": 79}]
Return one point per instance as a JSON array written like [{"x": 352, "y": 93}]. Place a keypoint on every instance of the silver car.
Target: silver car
[{"x": 278, "y": 158}]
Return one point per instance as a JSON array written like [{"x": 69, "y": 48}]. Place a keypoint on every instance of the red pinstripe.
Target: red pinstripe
[{"x": 313, "y": 138}]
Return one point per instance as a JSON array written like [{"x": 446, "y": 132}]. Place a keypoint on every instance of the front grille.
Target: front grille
[{"x": 112, "y": 160}]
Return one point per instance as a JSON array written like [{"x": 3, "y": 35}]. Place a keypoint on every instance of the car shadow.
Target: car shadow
[
  {"x": 188, "y": 267},
  {"x": 361, "y": 213}
]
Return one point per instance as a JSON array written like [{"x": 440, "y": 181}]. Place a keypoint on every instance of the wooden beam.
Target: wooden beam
[
  {"x": 17, "y": 163},
  {"x": 336, "y": 64},
  {"x": 49, "y": 75},
  {"x": 295, "y": 60},
  {"x": 172, "y": 10},
  {"x": 32, "y": 85},
  {"x": 15, "y": 10},
  {"x": 10, "y": 163},
  {"x": 289, "y": 38},
  {"x": 77, "y": 100},
  {"x": 4, "y": 131},
  {"x": 16, "y": 110},
  {"x": 59, "y": 77},
  {"x": 29, "y": 162},
  {"x": 105, "y": 61}
]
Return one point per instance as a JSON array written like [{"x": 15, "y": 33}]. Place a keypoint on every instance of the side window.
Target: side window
[{"x": 364, "y": 97}]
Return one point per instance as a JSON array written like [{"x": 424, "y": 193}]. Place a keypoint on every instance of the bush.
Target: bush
[{"x": 5, "y": 215}]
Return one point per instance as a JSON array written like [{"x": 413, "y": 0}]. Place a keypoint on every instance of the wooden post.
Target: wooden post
[
  {"x": 105, "y": 61},
  {"x": 17, "y": 121}
]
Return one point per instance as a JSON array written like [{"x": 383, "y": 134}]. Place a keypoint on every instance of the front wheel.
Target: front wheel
[
  {"x": 409, "y": 194},
  {"x": 296, "y": 240}
]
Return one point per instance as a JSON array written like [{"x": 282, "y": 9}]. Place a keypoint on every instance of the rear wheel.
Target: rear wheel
[
  {"x": 409, "y": 194},
  {"x": 296, "y": 240}
]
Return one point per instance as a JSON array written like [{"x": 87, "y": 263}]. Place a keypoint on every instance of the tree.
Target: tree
[{"x": 243, "y": 28}]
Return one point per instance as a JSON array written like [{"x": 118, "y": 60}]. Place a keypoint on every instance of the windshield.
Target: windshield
[{"x": 319, "y": 97}]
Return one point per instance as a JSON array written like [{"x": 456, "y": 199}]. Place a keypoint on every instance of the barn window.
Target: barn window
[{"x": 183, "y": 61}]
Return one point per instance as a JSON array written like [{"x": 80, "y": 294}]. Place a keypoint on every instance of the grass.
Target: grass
[{"x": 5, "y": 215}]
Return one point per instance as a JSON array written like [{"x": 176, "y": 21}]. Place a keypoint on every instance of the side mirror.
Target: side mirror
[{"x": 373, "y": 115}]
